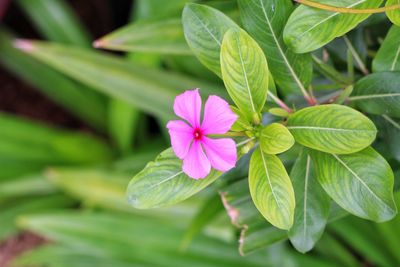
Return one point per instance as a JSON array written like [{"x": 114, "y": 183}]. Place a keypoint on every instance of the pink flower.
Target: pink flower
[{"x": 190, "y": 140}]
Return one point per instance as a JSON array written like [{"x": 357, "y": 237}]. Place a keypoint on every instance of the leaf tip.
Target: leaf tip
[
  {"x": 24, "y": 45},
  {"x": 98, "y": 43}
]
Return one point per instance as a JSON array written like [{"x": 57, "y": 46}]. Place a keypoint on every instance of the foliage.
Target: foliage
[{"x": 317, "y": 136}]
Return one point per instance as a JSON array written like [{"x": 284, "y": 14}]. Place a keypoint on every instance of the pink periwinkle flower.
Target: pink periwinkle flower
[{"x": 190, "y": 138}]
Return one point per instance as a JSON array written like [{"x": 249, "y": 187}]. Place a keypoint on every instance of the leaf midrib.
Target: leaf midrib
[
  {"x": 362, "y": 97},
  {"x": 327, "y": 129},
  {"x": 361, "y": 181},
  {"x": 287, "y": 63},
  {"x": 205, "y": 27},
  {"x": 306, "y": 197},
  {"x": 269, "y": 180},
  {"x": 245, "y": 74},
  {"x": 328, "y": 18},
  {"x": 395, "y": 59}
]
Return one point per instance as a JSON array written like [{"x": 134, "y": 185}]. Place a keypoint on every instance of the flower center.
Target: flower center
[{"x": 197, "y": 134}]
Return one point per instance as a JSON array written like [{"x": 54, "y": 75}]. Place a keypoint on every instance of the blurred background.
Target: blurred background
[{"x": 72, "y": 136}]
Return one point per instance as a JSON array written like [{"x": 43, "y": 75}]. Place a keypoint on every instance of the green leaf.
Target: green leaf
[
  {"x": 393, "y": 15},
  {"x": 241, "y": 124},
  {"x": 312, "y": 205},
  {"x": 356, "y": 233},
  {"x": 25, "y": 141},
  {"x": 162, "y": 37},
  {"x": 255, "y": 232},
  {"x": 378, "y": 93},
  {"x": 32, "y": 184},
  {"x": 275, "y": 139},
  {"x": 265, "y": 21},
  {"x": 56, "y": 20},
  {"x": 271, "y": 189},
  {"x": 332, "y": 128},
  {"x": 361, "y": 183},
  {"x": 162, "y": 183},
  {"x": 77, "y": 98},
  {"x": 136, "y": 239},
  {"x": 146, "y": 88},
  {"x": 245, "y": 72},
  {"x": 12, "y": 209},
  {"x": 204, "y": 29},
  {"x": 389, "y": 128},
  {"x": 205, "y": 215},
  {"x": 123, "y": 120},
  {"x": 310, "y": 28},
  {"x": 388, "y": 56}
]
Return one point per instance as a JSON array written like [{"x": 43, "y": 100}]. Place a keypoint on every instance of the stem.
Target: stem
[
  {"x": 348, "y": 10},
  {"x": 245, "y": 142},
  {"x": 353, "y": 51},
  {"x": 280, "y": 102},
  {"x": 229, "y": 134}
]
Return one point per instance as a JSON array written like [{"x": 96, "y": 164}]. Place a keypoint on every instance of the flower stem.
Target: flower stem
[
  {"x": 348, "y": 10},
  {"x": 229, "y": 134},
  {"x": 280, "y": 102}
]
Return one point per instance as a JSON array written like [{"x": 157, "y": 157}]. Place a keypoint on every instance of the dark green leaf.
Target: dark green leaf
[
  {"x": 312, "y": 205},
  {"x": 204, "y": 29},
  {"x": 361, "y": 183},
  {"x": 378, "y": 93},
  {"x": 310, "y": 28},
  {"x": 388, "y": 56},
  {"x": 265, "y": 20}
]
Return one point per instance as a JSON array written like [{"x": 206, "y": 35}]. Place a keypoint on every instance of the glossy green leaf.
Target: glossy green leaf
[
  {"x": 265, "y": 21},
  {"x": 245, "y": 72},
  {"x": 162, "y": 37},
  {"x": 271, "y": 189},
  {"x": 393, "y": 15},
  {"x": 312, "y": 205},
  {"x": 275, "y": 139},
  {"x": 204, "y": 29},
  {"x": 388, "y": 56},
  {"x": 148, "y": 89},
  {"x": 310, "y": 28},
  {"x": 332, "y": 128},
  {"x": 378, "y": 93},
  {"x": 361, "y": 183},
  {"x": 163, "y": 183}
]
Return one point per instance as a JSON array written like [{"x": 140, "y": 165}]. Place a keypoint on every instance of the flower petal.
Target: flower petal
[
  {"x": 196, "y": 164},
  {"x": 188, "y": 107},
  {"x": 218, "y": 117},
  {"x": 181, "y": 136},
  {"x": 221, "y": 153}
]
